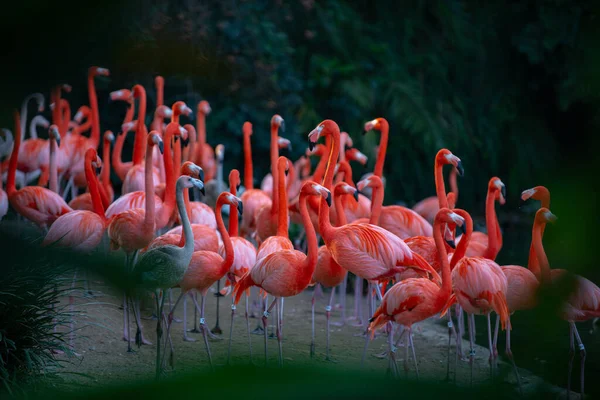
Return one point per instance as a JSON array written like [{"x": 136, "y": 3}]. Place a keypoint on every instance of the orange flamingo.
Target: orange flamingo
[
  {"x": 244, "y": 258},
  {"x": 416, "y": 299},
  {"x": 37, "y": 204},
  {"x": 205, "y": 155},
  {"x": 266, "y": 217},
  {"x": 428, "y": 207},
  {"x": 207, "y": 267},
  {"x": 328, "y": 273},
  {"x": 163, "y": 267},
  {"x": 541, "y": 194},
  {"x": 401, "y": 221},
  {"x": 479, "y": 287},
  {"x": 133, "y": 229},
  {"x": 489, "y": 245},
  {"x": 254, "y": 199},
  {"x": 286, "y": 273}
]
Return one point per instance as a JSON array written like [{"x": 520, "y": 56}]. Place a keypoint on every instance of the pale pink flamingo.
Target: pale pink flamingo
[
  {"x": 37, "y": 204},
  {"x": 328, "y": 273},
  {"x": 479, "y": 287},
  {"x": 416, "y": 299},
  {"x": 254, "y": 199},
  {"x": 207, "y": 267},
  {"x": 286, "y": 273}
]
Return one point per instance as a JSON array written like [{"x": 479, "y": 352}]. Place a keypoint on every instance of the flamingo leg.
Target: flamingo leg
[
  {"x": 571, "y": 357},
  {"x": 281, "y": 316},
  {"x": 126, "y": 336},
  {"x": 137, "y": 313},
  {"x": 471, "y": 342},
  {"x": 496, "y": 335},
  {"x": 582, "y": 355},
  {"x": 233, "y": 307},
  {"x": 278, "y": 331},
  {"x": 203, "y": 328},
  {"x": 217, "y": 328},
  {"x": 159, "y": 323},
  {"x": 194, "y": 297},
  {"x": 264, "y": 321},
  {"x": 406, "y": 344},
  {"x": 168, "y": 322},
  {"x": 186, "y": 338},
  {"x": 511, "y": 358},
  {"x": 393, "y": 367},
  {"x": 343, "y": 288},
  {"x": 72, "y": 310},
  {"x": 328, "y": 316},
  {"x": 168, "y": 340},
  {"x": 312, "y": 313},
  {"x": 452, "y": 331},
  {"x": 263, "y": 302},
  {"x": 367, "y": 338},
  {"x": 412, "y": 346},
  {"x": 248, "y": 329},
  {"x": 171, "y": 305},
  {"x": 491, "y": 347}
]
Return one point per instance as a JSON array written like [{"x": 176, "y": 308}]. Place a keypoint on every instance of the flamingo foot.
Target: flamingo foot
[
  {"x": 194, "y": 330},
  {"x": 212, "y": 335},
  {"x": 151, "y": 317},
  {"x": 188, "y": 339},
  {"x": 381, "y": 355},
  {"x": 258, "y": 331}
]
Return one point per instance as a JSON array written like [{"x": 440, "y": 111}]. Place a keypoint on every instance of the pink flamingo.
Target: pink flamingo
[
  {"x": 479, "y": 287},
  {"x": 328, "y": 273},
  {"x": 267, "y": 183},
  {"x": 286, "y": 273},
  {"x": 37, "y": 204},
  {"x": 416, "y": 299},
  {"x": 244, "y": 257},
  {"x": 254, "y": 199},
  {"x": 119, "y": 166},
  {"x": 133, "y": 229},
  {"x": 353, "y": 210},
  {"x": 541, "y": 194},
  {"x": 205, "y": 155},
  {"x": 266, "y": 217},
  {"x": 428, "y": 207},
  {"x": 207, "y": 267}
]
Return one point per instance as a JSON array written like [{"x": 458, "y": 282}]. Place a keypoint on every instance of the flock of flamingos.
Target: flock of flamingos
[{"x": 418, "y": 262}]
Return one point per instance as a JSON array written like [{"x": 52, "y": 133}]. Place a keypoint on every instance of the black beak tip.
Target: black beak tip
[
  {"x": 240, "y": 207},
  {"x": 371, "y": 320},
  {"x": 460, "y": 230},
  {"x": 58, "y": 142},
  {"x": 451, "y": 243},
  {"x": 355, "y": 195},
  {"x": 282, "y": 126},
  {"x": 98, "y": 170},
  {"x": 328, "y": 199},
  {"x": 503, "y": 191},
  {"x": 311, "y": 145},
  {"x": 460, "y": 169},
  {"x": 161, "y": 147},
  {"x": 287, "y": 172},
  {"x": 237, "y": 187},
  {"x": 203, "y": 191}
]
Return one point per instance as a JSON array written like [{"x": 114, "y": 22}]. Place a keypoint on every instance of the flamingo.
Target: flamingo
[
  {"x": 542, "y": 194},
  {"x": 489, "y": 245},
  {"x": 164, "y": 267},
  {"x": 479, "y": 287},
  {"x": 134, "y": 179},
  {"x": 401, "y": 221},
  {"x": 267, "y": 183},
  {"x": 119, "y": 166},
  {"x": 84, "y": 201},
  {"x": 207, "y": 267},
  {"x": 254, "y": 199},
  {"x": 205, "y": 155},
  {"x": 266, "y": 217},
  {"x": 416, "y": 299},
  {"x": 133, "y": 229},
  {"x": 328, "y": 273},
  {"x": 429, "y": 206},
  {"x": 353, "y": 210},
  {"x": 286, "y": 273},
  {"x": 244, "y": 258},
  {"x": 37, "y": 204}
]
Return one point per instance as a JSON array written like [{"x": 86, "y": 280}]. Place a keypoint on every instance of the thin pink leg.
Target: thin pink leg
[
  {"x": 571, "y": 357},
  {"x": 312, "y": 313},
  {"x": 248, "y": 329},
  {"x": 186, "y": 338},
  {"x": 509, "y": 354},
  {"x": 582, "y": 355},
  {"x": 328, "y": 316},
  {"x": 233, "y": 307},
  {"x": 264, "y": 321},
  {"x": 204, "y": 330}
]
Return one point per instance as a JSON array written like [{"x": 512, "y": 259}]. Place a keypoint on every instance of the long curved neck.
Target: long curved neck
[
  {"x": 320, "y": 169},
  {"x": 53, "y": 168},
  {"x": 376, "y": 204},
  {"x": 65, "y": 110},
  {"x": 105, "y": 173},
  {"x": 446, "y": 289},
  {"x": 140, "y": 131},
  {"x": 337, "y": 199},
  {"x": 191, "y": 147},
  {"x": 453, "y": 183},
  {"x": 345, "y": 168},
  {"x": 383, "y": 142},
  {"x": 274, "y": 170},
  {"x": 233, "y": 214},
  {"x": 188, "y": 234},
  {"x": 440, "y": 187},
  {"x": 228, "y": 261},
  {"x": 149, "y": 223},
  {"x": 55, "y": 99},
  {"x": 117, "y": 162},
  {"x": 95, "y": 135},
  {"x": 326, "y": 230},
  {"x": 92, "y": 181},
  {"x": 201, "y": 132},
  {"x": 188, "y": 209},
  {"x": 248, "y": 167},
  {"x": 312, "y": 254},
  {"x": 283, "y": 220},
  {"x": 169, "y": 202},
  {"x": 332, "y": 159},
  {"x": 159, "y": 82},
  {"x": 543, "y": 273},
  {"x": 491, "y": 222},
  {"x": 461, "y": 249},
  {"x": 12, "y": 164}
]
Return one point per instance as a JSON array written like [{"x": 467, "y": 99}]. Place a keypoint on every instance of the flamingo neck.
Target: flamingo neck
[
  {"x": 446, "y": 289},
  {"x": 169, "y": 202},
  {"x": 140, "y": 131},
  {"x": 461, "y": 248},
  {"x": 191, "y": 147},
  {"x": 228, "y": 261},
  {"x": 440, "y": 187},
  {"x": 332, "y": 159},
  {"x": 491, "y": 222},
  {"x": 55, "y": 99},
  {"x": 454, "y": 184},
  {"x": 65, "y": 111},
  {"x": 149, "y": 222},
  {"x": 188, "y": 209},
  {"x": 95, "y": 117},
  {"x": 233, "y": 213},
  {"x": 12, "y": 164},
  {"x": 320, "y": 169},
  {"x": 383, "y": 142},
  {"x": 105, "y": 173},
  {"x": 541, "y": 269},
  {"x": 53, "y": 185},
  {"x": 248, "y": 167},
  {"x": 376, "y": 204},
  {"x": 159, "y": 82},
  {"x": 201, "y": 131},
  {"x": 274, "y": 170},
  {"x": 326, "y": 230},
  {"x": 282, "y": 215},
  {"x": 117, "y": 162},
  {"x": 188, "y": 234},
  {"x": 310, "y": 262},
  {"x": 339, "y": 206},
  {"x": 94, "y": 187}
]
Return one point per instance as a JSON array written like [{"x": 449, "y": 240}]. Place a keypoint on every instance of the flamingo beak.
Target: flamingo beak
[
  {"x": 282, "y": 126},
  {"x": 356, "y": 195},
  {"x": 311, "y": 145},
  {"x": 161, "y": 147},
  {"x": 58, "y": 141},
  {"x": 460, "y": 169},
  {"x": 240, "y": 207},
  {"x": 451, "y": 243},
  {"x": 328, "y": 199},
  {"x": 460, "y": 230},
  {"x": 200, "y": 185},
  {"x": 503, "y": 191}
]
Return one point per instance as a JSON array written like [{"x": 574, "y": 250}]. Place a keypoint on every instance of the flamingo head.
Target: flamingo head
[
  {"x": 193, "y": 170},
  {"x": 540, "y": 193},
  {"x": 284, "y": 143},
  {"x": 155, "y": 139},
  {"x": 109, "y": 137},
  {"x": 543, "y": 215},
  {"x": 373, "y": 124},
  {"x": 445, "y": 157},
  {"x": 123, "y": 95},
  {"x": 371, "y": 181},
  {"x": 346, "y": 140},
  {"x": 163, "y": 112},
  {"x": 497, "y": 185},
  {"x": 247, "y": 128},
  {"x": 233, "y": 201},
  {"x": 185, "y": 181},
  {"x": 99, "y": 71},
  {"x": 353, "y": 154},
  {"x": 311, "y": 188},
  {"x": 181, "y": 131},
  {"x": 128, "y": 126},
  {"x": 220, "y": 152},
  {"x": 184, "y": 109},
  {"x": 448, "y": 217},
  {"x": 234, "y": 179},
  {"x": 278, "y": 121},
  {"x": 283, "y": 163},
  {"x": 54, "y": 134},
  {"x": 342, "y": 188},
  {"x": 204, "y": 108}
]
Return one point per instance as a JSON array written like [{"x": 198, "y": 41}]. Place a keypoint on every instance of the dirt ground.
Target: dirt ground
[{"x": 103, "y": 356}]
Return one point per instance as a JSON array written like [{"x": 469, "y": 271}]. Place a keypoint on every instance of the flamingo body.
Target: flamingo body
[
  {"x": 78, "y": 230},
  {"x": 39, "y": 205}
]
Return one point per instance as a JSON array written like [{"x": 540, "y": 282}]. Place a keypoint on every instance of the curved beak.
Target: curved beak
[
  {"x": 451, "y": 243},
  {"x": 282, "y": 126},
  {"x": 503, "y": 191},
  {"x": 311, "y": 145},
  {"x": 460, "y": 230},
  {"x": 355, "y": 195},
  {"x": 460, "y": 169},
  {"x": 237, "y": 187},
  {"x": 161, "y": 147},
  {"x": 328, "y": 199},
  {"x": 58, "y": 141},
  {"x": 200, "y": 185},
  {"x": 240, "y": 207}
]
